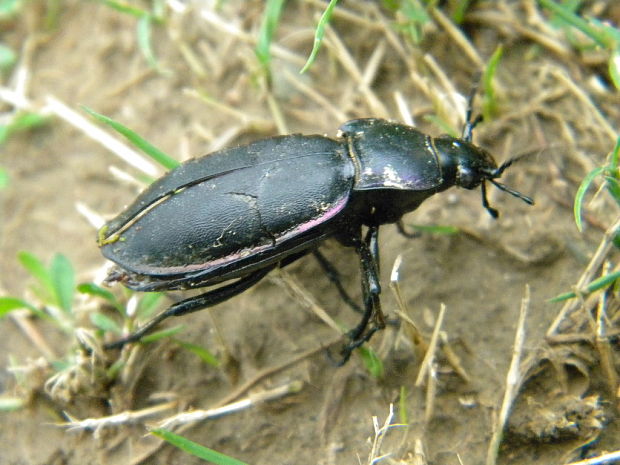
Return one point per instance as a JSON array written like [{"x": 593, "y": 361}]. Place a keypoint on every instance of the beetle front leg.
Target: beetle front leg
[
  {"x": 368, "y": 252},
  {"x": 193, "y": 304}
]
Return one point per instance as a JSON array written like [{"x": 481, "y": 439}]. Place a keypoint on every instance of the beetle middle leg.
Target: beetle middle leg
[
  {"x": 368, "y": 252},
  {"x": 195, "y": 303}
]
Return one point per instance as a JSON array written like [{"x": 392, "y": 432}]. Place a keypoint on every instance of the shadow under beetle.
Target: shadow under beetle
[{"x": 234, "y": 215}]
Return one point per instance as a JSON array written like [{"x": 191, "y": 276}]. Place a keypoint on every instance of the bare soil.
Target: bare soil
[{"x": 550, "y": 107}]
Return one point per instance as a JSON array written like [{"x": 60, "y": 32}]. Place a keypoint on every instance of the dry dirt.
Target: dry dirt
[{"x": 549, "y": 105}]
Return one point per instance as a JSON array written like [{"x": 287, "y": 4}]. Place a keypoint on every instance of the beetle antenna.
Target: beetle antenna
[
  {"x": 498, "y": 172},
  {"x": 512, "y": 192},
  {"x": 507, "y": 163},
  {"x": 485, "y": 202}
]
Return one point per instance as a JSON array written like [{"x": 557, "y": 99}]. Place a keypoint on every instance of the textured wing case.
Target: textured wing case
[{"x": 237, "y": 206}]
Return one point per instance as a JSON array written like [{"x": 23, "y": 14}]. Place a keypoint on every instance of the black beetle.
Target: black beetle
[{"x": 238, "y": 213}]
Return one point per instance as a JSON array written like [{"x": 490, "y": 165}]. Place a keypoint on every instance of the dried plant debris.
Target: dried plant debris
[{"x": 562, "y": 417}]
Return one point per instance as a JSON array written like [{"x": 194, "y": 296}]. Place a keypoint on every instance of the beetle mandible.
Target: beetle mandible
[{"x": 234, "y": 215}]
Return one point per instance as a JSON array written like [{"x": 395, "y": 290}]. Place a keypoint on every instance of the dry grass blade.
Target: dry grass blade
[
  {"x": 221, "y": 24},
  {"x": 588, "y": 274},
  {"x": 293, "y": 286},
  {"x": 348, "y": 62},
  {"x": 312, "y": 94},
  {"x": 120, "y": 419},
  {"x": 603, "y": 344},
  {"x": 427, "y": 368},
  {"x": 380, "y": 432},
  {"x": 271, "y": 370},
  {"x": 195, "y": 416},
  {"x": 458, "y": 37},
  {"x": 587, "y": 101},
  {"x": 24, "y": 322},
  {"x": 513, "y": 381},
  {"x": 235, "y": 394},
  {"x": 89, "y": 129},
  {"x": 429, "y": 358},
  {"x": 611, "y": 457}
]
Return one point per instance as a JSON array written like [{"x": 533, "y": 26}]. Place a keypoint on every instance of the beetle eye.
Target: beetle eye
[{"x": 466, "y": 178}]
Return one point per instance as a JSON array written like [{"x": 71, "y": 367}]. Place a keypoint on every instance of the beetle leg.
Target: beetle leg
[
  {"x": 485, "y": 202},
  {"x": 195, "y": 303},
  {"x": 334, "y": 276},
  {"x": 368, "y": 252}
]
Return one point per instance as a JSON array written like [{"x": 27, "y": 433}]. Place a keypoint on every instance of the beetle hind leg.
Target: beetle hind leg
[
  {"x": 334, "y": 277},
  {"x": 193, "y": 304}
]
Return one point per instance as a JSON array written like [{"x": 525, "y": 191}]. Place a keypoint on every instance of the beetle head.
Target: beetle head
[
  {"x": 468, "y": 166},
  {"x": 475, "y": 166}
]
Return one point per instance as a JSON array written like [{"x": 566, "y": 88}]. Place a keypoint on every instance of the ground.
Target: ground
[{"x": 556, "y": 106}]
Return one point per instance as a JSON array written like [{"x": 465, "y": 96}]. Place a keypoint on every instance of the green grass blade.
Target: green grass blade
[
  {"x": 319, "y": 34},
  {"x": 273, "y": 10},
  {"x": 4, "y": 178},
  {"x": 115, "y": 369},
  {"x": 148, "y": 148},
  {"x": 63, "y": 280},
  {"x": 195, "y": 449},
  {"x": 204, "y": 354},
  {"x": 144, "y": 34},
  {"x": 402, "y": 406},
  {"x": 596, "y": 285},
  {"x": 614, "y": 69},
  {"x": 416, "y": 16},
  {"x": 576, "y": 21},
  {"x": 563, "y": 297},
  {"x": 164, "y": 333},
  {"x": 581, "y": 192},
  {"x": 148, "y": 304},
  {"x": 7, "y": 57},
  {"x": 442, "y": 124},
  {"x": 98, "y": 291},
  {"x": 615, "y": 157},
  {"x": 36, "y": 268},
  {"x": 489, "y": 105},
  {"x": 28, "y": 120},
  {"x": 459, "y": 11},
  {"x": 435, "y": 229},
  {"x": 125, "y": 8},
  {"x": 372, "y": 362},
  {"x": 613, "y": 187},
  {"x": 22, "y": 122},
  {"x": 8, "y": 304},
  {"x": 105, "y": 323}
]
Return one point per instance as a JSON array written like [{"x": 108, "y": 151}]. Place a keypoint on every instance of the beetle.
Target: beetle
[{"x": 231, "y": 217}]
